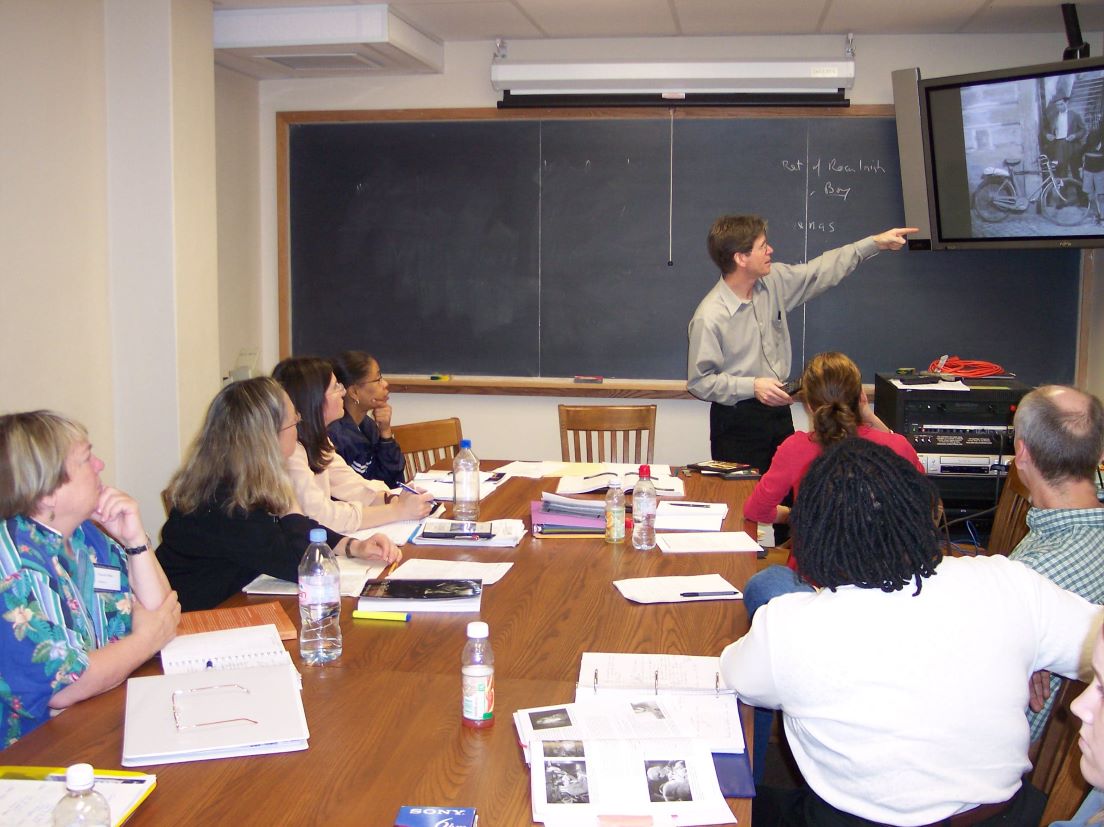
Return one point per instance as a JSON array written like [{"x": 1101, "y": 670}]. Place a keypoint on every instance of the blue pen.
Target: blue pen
[{"x": 406, "y": 487}]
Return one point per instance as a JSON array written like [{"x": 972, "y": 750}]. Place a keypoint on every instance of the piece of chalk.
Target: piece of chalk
[{"x": 597, "y": 380}]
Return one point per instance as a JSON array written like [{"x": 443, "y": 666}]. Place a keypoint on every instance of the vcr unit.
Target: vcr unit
[{"x": 958, "y": 434}]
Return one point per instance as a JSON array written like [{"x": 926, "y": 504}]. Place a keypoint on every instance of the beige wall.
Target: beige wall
[
  {"x": 55, "y": 339},
  {"x": 107, "y": 223},
  {"x": 526, "y": 427},
  {"x": 237, "y": 134}
]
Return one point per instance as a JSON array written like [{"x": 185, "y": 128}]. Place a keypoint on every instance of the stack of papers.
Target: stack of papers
[
  {"x": 684, "y": 515},
  {"x": 665, "y": 486},
  {"x": 439, "y": 483},
  {"x": 425, "y": 569},
  {"x": 354, "y": 571},
  {"x": 492, "y": 534},
  {"x": 677, "y": 589},
  {"x": 399, "y": 532},
  {"x": 707, "y": 541}
]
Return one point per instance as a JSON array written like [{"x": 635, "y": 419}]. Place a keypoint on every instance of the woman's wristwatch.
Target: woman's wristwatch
[{"x": 134, "y": 551}]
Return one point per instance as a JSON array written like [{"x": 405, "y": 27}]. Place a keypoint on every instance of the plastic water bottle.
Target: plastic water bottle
[
  {"x": 644, "y": 511},
  {"x": 82, "y": 805},
  {"x": 477, "y": 677},
  {"x": 465, "y": 483},
  {"x": 615, "y": 512},
  {"x": 319, "y": 602}
]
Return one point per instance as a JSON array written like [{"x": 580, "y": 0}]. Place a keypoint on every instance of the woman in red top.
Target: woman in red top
[{"x": 831, "y": 389}]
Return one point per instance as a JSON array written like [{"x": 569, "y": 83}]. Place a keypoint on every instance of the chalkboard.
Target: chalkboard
[{"x": 555, "y": 247}]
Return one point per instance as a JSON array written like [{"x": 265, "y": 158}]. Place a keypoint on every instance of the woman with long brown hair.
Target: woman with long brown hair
[
  {"x": 832, "y": 392},
  {"x": 327, "y": 488}
]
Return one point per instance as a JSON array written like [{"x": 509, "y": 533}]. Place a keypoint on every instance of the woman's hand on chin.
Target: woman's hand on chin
[{"x": 117, "y": 512}]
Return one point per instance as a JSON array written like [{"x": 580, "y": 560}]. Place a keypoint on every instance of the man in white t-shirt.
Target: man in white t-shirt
[{"x": 861, "y": 667}]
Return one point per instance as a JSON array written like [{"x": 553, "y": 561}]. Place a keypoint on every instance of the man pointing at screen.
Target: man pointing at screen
[{"x": 740, "y": 352}]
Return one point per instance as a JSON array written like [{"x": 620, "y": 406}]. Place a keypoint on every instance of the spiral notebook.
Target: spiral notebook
[{"x": 225, "y": 649}]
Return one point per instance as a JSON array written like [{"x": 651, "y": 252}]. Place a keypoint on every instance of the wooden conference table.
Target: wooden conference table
[{"x": 385, "y": 719}]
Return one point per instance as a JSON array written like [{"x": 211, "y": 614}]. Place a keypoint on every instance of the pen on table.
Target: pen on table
[
  {"x": 708, "y": 594},
  {"x": 691, "y": 505},
  {"x": 401, "y": 617}
]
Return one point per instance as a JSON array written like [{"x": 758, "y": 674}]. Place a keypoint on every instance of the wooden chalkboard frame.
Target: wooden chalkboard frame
[{"x": 540, "y": 385}]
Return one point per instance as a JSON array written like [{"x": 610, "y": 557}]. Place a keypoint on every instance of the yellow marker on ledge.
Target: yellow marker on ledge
[{"x": 401, "y": 617}]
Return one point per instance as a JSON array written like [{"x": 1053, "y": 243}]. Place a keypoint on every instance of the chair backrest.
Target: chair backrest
[
  {"x": 1057, "y": 769},
  {"x": 1010, "y": 521},
  {"x": 605, "y": 433},
  {"x": 425, "y": 443}
]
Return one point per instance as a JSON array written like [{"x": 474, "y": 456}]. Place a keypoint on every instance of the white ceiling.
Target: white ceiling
[{"x": 447, "y": 20}]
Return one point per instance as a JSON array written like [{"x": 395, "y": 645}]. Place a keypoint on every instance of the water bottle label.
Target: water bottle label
[
  {"x": 319, "y": 590},
  {"x": 478, "y": 695},
  {"x": 615, "y": 524}
]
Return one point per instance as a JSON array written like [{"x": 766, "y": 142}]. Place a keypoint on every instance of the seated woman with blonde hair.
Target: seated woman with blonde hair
[
  {"x": 326, "y": 487},
  {"x": 233, "y": 514},
  {"x": 84, "y": 601}
]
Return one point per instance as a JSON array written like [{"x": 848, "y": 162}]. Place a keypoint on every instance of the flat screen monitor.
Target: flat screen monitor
[{"x": 1015, "y": 158}]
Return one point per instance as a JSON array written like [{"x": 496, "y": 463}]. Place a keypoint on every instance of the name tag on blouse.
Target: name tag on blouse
[{"x": 108, "y": 579}]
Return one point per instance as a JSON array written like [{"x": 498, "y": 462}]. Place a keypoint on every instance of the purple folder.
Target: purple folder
[{"x": 554, "y": 518}]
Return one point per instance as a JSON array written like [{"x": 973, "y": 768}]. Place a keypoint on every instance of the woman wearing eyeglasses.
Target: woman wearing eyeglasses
[
  {"x": 327, "y": 488},
  {"x": 362, "y": 437},
  {"x": 233, "y": 514}
]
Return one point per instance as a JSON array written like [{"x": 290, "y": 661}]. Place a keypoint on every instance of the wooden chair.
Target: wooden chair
[
  {"x": 1057, "y": 769},
  {"x": 1010, "y": 521},
  {"x": 606, "y": 432},
  {"x": 425, "y": 443}
]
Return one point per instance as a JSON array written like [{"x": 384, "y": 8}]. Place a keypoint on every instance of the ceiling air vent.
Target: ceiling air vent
[{"x": 322, "y": 41}]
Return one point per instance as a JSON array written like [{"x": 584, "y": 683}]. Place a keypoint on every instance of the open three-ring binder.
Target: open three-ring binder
[
  {"x": 631, "y": 674},
  {"x": 635, "y": 675}
]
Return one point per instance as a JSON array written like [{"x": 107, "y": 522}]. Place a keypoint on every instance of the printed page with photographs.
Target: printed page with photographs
[
  {"x": 671, "y": 781},
  {"x": 715, "y": 719}
]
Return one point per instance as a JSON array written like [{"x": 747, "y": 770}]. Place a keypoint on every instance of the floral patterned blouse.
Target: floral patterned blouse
[{"x": 53, "y": 611}]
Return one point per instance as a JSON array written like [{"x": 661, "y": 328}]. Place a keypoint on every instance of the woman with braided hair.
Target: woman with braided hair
[{"x": 860, "y": 666}]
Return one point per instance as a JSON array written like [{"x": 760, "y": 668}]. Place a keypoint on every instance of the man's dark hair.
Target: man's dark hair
[
  {"x": 864, "y": 517},
  {"x": 731, "y": 234},
  {"x": 1065, "y": 441}
]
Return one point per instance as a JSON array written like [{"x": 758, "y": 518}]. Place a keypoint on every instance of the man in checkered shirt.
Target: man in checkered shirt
[{"x": 1059, "y": 443}]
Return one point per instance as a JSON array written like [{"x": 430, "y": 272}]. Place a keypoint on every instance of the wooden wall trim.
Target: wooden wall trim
[{"x": 543, "y": 386}]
